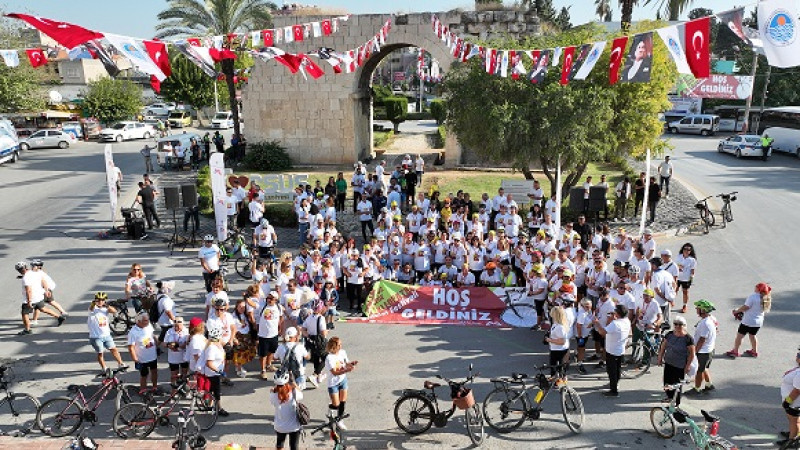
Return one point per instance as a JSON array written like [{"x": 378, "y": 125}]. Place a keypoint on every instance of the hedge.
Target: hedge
[{"x": 267, "y": 157}]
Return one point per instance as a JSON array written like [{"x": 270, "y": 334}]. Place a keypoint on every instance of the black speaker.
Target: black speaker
[
  {"x": 189, "y": 193},
  {"x": 172, "y": 198},
  {"x": 597, "y": 198},
  {"x": 576, "y": 199}
]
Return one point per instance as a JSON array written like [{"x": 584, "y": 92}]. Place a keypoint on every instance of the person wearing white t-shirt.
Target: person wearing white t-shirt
[
  {"x": 790, "y": 400},
  {"x": 196, "y": 345},
  {"x": 209, "y": 255},
  {"x": 623, "y": 246},
  {"x": 583, "y": 329},
  {"x": 338, "y": 365},
  {"x": 665, "y": 174},
  {"x": 419, "y": 167},
  {"x": 142, "y": 346},
  {"x": 752, "y": 313},
  {"x": 617, "y": 330},
  {"x": 558, "y": 338},
  {"x": 620, "y": 296},
  {"x": 33, "y": 296},
  {"x": 662, "y": 283},
  {"x": 536, "y": 194},
  {"x": 176, "y": 339},
  {"x": 587, "y": 186},
  {"x": 296, "y": 350},
  {"x": 705, "y": 338},
  {"x": 214, "y": 365},
  {"x": 99, "y": 331},
  {"x": 686, "y": 260},
  {"x": 648, "y": 243},
  {"x": 284, "y": 397},
  {"x": 270, "y": 318},
  {"x": 365, "y": 217}
]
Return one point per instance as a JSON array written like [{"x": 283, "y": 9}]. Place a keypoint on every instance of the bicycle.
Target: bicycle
[
  {"x": 183, "y": 439},
  {"x": 639, "y": 354},
  {"x": 706, "y": 216},
  {"x": 417, "y": 409},
  {"x": 518, "y": 312},
  {"x": 22, "y": 407},
  {"x": 138, "y": 420},
  {"x": 121, "y": 321},
  {"x": 61, "y": 416},
  {"x": 665, "y": 418},
  {"x": 509, "y": 404},
  {"x": 727, "y": 214},
  {"x": 81, "y": 442},
  {"x": 237, "y": 244},
  {"x": 333, "y": 430},
  {"x": 790, "y": 443}
]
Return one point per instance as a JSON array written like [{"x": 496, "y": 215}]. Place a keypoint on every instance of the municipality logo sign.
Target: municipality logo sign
[
  {"x": 781, "y": 28},
  {"x": 673, "y": 45}
]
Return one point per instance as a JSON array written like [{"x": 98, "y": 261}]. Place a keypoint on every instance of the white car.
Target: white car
[
  {"x": 47, "y": 139},
  {"x": 160, "y": 109},
  {"x": 123, "y": 131},
  {"x": 743, "y": 145},
  {"x": 222, "y": 120}
]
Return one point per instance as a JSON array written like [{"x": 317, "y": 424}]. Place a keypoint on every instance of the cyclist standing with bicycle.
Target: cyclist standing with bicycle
[
  {"x": 790, "y": 395},
  {"x": 136, "y": 286},
  {"x": 705, "y": 337},
  {"x": 676, "y": 355},
  {"x": 99, "y": 332}
]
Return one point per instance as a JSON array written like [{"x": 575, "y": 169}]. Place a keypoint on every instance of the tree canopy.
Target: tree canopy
[
  {"x": 111, "y": 100},
  {"x": 514, "y": 120}
]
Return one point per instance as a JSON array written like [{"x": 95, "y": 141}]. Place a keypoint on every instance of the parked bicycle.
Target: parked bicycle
[
  {"x": 706, "y": 216},
  {"x": 510, "y": 403},
  {"x": 639, "y": 355},
  {"x": 417, "y": 409},
  {"x": 17, "y": 411},
  {"x": 791, "y": 443},
  {"x": 184, "y": 438},
  {"x": 236, "y": 243},
  {"x": 665, "y": 418},
  {"x": 334, "y": 431},
  {"x": 519, "y": 312},
  {"x": 121, "y": 321},
  {"x": 727, "y": 213},
  {"x": 61, "y": 416},
  {"x": 81, "y": 442},
  {"x": 138, "y": 420}
]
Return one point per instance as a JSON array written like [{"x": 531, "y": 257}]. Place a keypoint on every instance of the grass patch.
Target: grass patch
[{"x": 381, "y": 139}]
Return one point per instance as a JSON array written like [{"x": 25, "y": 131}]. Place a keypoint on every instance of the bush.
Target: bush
[
  {"x": 204, "y": 189},
  {"x": 380, "y": 93},
  {"x": 267, "y": 157},
  {"x": 438, "y": 110},
  {"x": 440, "y": 137},
  {"x": 380, "y": 138},
  {"x": 396, "y": 110},
  {"x": 280, "y": 214}
]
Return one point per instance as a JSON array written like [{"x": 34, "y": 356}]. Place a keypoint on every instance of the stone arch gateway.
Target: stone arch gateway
[{"x": 328, "y": 121}]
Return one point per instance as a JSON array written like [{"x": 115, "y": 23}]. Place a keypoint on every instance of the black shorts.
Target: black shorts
[
  {"x": 29, "y": 308},
  {"x": 175, "y": 367},
  {"x": 267, "y": 346},
  {"x": 265, "y": 252},
  {"x": 582, "y": 341},
  {"x": 794, "y": 412},
  {"x": 539, "y": 307},
  {"x": 685, "y": 284},
  {"x": 703, "y": 362},
  {"x": 744, "y": 329},
  {"x": 599, "y": 338},
  {"x": 145, "y": 367}
]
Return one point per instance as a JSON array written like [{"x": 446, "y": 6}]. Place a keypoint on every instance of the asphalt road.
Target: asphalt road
[{"x": 55, "y": 202}]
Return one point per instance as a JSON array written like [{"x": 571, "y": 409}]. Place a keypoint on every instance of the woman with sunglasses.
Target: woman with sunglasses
[
  {"x": 136, "y": 286},
  {"x": 99, "y": 332},
  {"x": 676, "y": 355},
  {"x": 687, "y": 264}
]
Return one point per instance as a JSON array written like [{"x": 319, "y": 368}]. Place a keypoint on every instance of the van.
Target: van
[
  {"x": 703, "y": 124},
  {"x": 166, "y": 144},
  {"x": 222, "y": 120}
]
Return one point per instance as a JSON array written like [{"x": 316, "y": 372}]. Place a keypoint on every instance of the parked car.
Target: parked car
[
  {"x": 47, "y": 138},
  {"x": 703, "y": 124},
  {"x": 743, "y": 145},
  {"x": 160, "y": 109},
  {"x": 222, "y": 120},
  {"x": 124, "y": 131},
  {"x": 180, "y": 119},
  {"x": 9, "y": 142}
]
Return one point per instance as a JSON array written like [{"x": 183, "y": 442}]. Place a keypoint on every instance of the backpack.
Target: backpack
[
  {"x": 154, "y": 311},
  {"x": 317, "y": 343},
  {"x": 289, "y": 363}
]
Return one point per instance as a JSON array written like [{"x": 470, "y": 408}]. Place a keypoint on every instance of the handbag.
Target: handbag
[{"x": 303, "y": 413}]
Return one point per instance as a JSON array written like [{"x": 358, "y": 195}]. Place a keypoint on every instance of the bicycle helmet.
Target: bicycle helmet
[
  {"x": 281, "y": 377},
  {"x": 649, "y": 292},
  {"x": 704, "y": 305},
  {"x": 100, "y": 295},
  {"x": 208, "y": 238},
  {"x": 22, "y": 265},
  {"x": 218, "y": 302},
  {"x": 37, "y": 263},
  {"x": 214, "y": 334},
  {"x": 634, "y": 269},
  {"x": 264, "y": 222}
]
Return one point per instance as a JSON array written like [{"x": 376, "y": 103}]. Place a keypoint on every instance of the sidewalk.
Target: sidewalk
[{"x": 104, "y": 444}]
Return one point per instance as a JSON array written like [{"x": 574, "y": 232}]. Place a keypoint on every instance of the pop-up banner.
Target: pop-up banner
[{"x": 391, "y": 302}]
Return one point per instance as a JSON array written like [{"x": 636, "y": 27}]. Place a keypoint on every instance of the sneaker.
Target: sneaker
[
  {"x": 709, "y": 388},
  {"x": 242, "y": 373},
  {"x": 693, "y": 392},
  {"x": 683, "y": 310},
  {"x": 321, "y": 378},
  {"x": 223, "y": 413},
  {"x": 264, "y": 375},
  {"x": 582, "y": 369},
  {"x": 61, "y": 320},
  {"x": 331, "y": 326},
  {"x": 751, "y": 353},
  {"x": 271, "y": 369},
  {"x": 25, "y": 332},
  {"x": 783, "y": 442},
  {"x": 313, "y": 379},
  {"x": 601, "y": 365},
  {"x": 35, "y": 322},
  {"x": 732, "y": 354},
  {"x": 341, "y": 425}
]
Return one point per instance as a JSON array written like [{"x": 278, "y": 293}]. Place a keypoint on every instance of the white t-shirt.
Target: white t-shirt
[
  {"x": 298, "y": 351},
  {"x": 98, "y": 323},
  {"x": 230, "y": 204},
  {"x": 790, "y": 381},
  {"x": 33, "y": 280},
  {"x": 706, "y": 328},
  {"x": 419, "y": 165},
  {"x": 210, "y": 255},
  {"x": 753, "y": 317},
  {"x": 181, "y": 338},
  {"x": 335, "y": 361},
  {"x": 286, "y": 413},
  {"x": 662, "y": 280},
  {"x": 216, "y": 355},
  {"x": 665, "y": 169},
  {"x": 194, "y": 352},
  {"x": 626, "y": 299},
  {"x": 165, "y": 303},
  {"x": 686, "y": 266},
  {"x": 537, "y": 193},
  {"x": 584, "y": 319},
  {"x": 268, "y": 320},
  {"x": 224, "y": 322},
  {"x": 144, "y": 344},
  {"x": 617, "y": 333},
  {"x": 648, "y": 314},
  {"x": 558, "y": 331},
  {"x": 364, "y": 210}
]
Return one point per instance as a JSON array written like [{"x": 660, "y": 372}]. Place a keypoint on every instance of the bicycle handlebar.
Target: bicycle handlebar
[{"x": 466, "y": 380}]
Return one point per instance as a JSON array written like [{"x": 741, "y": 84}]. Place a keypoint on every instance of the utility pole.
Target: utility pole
[
  {"x": 764, "y": 93},
  {"x": 747, "y": 107}
]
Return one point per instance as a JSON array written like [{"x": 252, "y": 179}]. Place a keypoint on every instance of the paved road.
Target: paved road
[{"x": 55, "y": 202}]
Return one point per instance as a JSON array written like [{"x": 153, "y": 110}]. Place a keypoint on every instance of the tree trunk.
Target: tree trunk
[
  {"x": 527, "y": 172},
  {"x": 227, "y": 70},
  {"x": 549, "y": 174},
  {"x": 627, "y": 14}
]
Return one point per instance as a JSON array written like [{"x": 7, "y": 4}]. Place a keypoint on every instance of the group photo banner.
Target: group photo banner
[{"x": 398, "y": 303}]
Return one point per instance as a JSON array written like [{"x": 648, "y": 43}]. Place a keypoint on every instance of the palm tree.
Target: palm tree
[
  {"x": 672, "y": 8},
  {"x": 627, "y": 13},
  {"x": 216, "y": 18},
  {"x": 603, "y": 10}
]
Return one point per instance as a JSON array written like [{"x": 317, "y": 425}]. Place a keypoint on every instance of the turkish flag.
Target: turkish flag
[
  {"x": 36, "y": 56},
  {"x": 269, "y": 38},
  {"x": 617, "y": 50},
  {"x": 326, "y": 27},
  {"x": 155, "y": 84},
  {"x": 297, "y": 32},
  {"x": 467, "y": 52},
  {"x": 569, "y": 55},
  {"x": 227, "y": 53},
  {"x": 66, "y": 34},
  {"x": 697, "y": 38},
  {"x": 310, "y": 66},
  {"x": 158, "y": 52},
  {"x": 292, "y": 62},
  {"x": 215, "y": 54},
  {"x": 194, "y": 42}
]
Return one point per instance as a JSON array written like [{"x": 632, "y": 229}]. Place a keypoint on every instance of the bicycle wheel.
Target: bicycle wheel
[
  {"x": 18, "y": 413},
  {"x": 719, "y": 443},
  {"x": 205, "y": 410},
  {"x": 243, "y": 266},
  {"x": 505, "y": 409},
  {"x": 134, "y": 420},
  {"x": 120, "y": 324},
  {"x": 727, "y": 213},
  {"x": 59, "y": 417},
  {"x": 474, "y": 422},
  {"x": 707, "y": 216},
  {"x": 572, "y": 408},
  {"x": 413, "y": 414},
  {"x": 520, "y": 316},
  {"x": 636, "y": 361},
  {"x": 128, "y": 394},
  {"x": 663, "y": 422}
]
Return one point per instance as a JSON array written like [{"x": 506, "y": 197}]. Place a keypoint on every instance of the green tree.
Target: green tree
[
  {"x": 562, "y": 21},
  {"x": 396, "y": 111},
  {"x": 545, "y": 10},
  {"x": 603, "y": 10},
  {"x": 672, "y": 8},
  {"x": 188, "y": 84},
  {"x": 215, "y": 18},
  {"x": 111, "y": 100},
  {"x": 21, "y": 89},
  {"x": 438, "y": 110}
]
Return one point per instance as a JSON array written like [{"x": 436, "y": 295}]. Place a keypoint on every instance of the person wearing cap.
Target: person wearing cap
[
  {"x": 663, "y": 284},
  {"x": 99, "y": 332},
  {"x": 166, "y": 307},
  {"x": 37, "y": 266},
  {"x": 354, "y": 271},
  {"x": 209, "y": 255},
  {"x": 490, "y": 277},
  {"x": 705, "y": 337},
  {"x": 216, "y": 293},
  {"x": 195, "y": 347},
  {"x": 142, "y": 345},
  {"x": 270, "y": 322},
  {"x": 620, "y": 296},
  {"x": 648, "y": 316},
  {"x": 175, "y": 340},
  {"x": 582, "y": 331},
  {"x": 676, "y": 354},
  {"x": 616, "y": 329},
  {"x": 752, "y": 316},
  {"x": 597, "y": 278},
  {"x": 648, "y": 243},
  {"x": 34, "y": 288},
  {"x": 292, "y": 348},
  {"x": 419, "y": 168},
  {"x": 638, "y": 260}
]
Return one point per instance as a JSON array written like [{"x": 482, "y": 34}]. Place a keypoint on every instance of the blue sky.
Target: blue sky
[{"x": 138, "y": 18}]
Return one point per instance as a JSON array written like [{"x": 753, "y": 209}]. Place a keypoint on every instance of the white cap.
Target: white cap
[
  {"x": 290, "y": 333},
  {"x": 666, "y": 251},
  {"x": 679, "y": 319}
]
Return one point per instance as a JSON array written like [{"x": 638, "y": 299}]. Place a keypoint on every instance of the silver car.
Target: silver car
[{"x": 47, "y": 138}]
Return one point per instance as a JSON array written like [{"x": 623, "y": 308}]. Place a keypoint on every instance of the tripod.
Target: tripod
[{"x": 191, "y": 215}]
